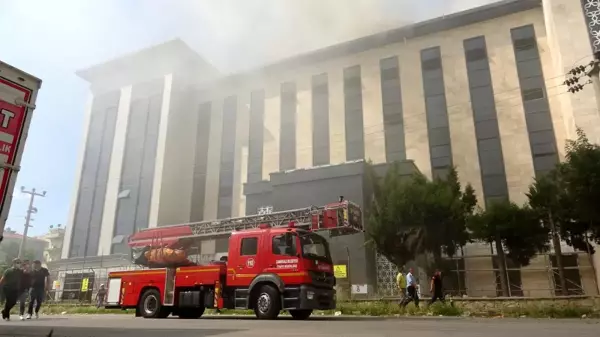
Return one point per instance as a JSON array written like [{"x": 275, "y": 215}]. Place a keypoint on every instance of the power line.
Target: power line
[{"x": 30, "y": 210}]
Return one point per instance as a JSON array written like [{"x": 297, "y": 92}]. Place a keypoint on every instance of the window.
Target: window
[
  {"x": 285, "y": 244},
  {"x": 531, "y": 94},
  {"x": 249, "y": 246}
]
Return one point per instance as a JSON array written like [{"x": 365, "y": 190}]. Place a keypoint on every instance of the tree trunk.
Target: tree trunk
[
  {"x": 502, "y": 268},
  {"x": 559, "y": 260}
]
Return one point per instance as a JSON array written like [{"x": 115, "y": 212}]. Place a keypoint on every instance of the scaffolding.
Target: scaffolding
[{"x": 479, "y": 276}]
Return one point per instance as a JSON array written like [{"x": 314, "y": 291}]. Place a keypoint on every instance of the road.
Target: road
[{"x": 121, "y": 326}]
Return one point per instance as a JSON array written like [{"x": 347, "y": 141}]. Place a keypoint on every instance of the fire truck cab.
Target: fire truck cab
[{"x": 267, "y": 269}]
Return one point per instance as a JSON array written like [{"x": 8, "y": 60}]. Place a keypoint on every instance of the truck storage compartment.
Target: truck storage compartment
[{"x": 190, "y": 299}]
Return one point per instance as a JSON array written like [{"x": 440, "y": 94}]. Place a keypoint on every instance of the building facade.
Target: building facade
[{"x": 170, "y": 140}]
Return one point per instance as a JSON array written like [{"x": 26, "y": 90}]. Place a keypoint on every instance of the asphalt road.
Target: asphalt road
[{"x": 120, "y": 325}]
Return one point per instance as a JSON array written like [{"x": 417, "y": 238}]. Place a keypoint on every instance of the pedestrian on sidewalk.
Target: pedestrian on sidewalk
[
  {"x": 401, "y": 282},
  {"x": 100, "y": 296},
  {"x": 436, "y": 287},
  {"x": 40, "y": 284},
  {"x": 24, "y": 288},
  {"x": 411, "y": 287},
  {"x": 10, "y": 283}
]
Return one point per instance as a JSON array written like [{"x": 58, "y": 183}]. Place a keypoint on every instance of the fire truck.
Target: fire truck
[{"x": 275, "y": 262}]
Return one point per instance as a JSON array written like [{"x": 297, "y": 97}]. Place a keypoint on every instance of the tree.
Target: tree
[
  {"x": 564, "y": 200},
  {"x": 581, "y": 176},
  {"x": 410, "y": 216},
  {"x": 549, "y": 200},
  {"x": 512, "y": 228}
]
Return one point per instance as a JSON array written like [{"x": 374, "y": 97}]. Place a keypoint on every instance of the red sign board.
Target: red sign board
[{"x": 12, "y": 119}]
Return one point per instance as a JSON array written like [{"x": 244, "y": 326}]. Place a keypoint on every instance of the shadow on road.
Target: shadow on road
[
  {"x": 31, "y": 331},
  {"x": 289, "y": 318}
]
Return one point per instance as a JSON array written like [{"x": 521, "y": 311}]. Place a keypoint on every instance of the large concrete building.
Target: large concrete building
[{"x": 171, "y": 140}]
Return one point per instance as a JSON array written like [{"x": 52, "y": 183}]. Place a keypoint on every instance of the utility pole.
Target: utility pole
[{"x": 30, "y": 210}]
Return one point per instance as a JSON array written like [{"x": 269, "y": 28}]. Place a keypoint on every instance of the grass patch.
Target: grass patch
[{"x": 375, "y": 309}]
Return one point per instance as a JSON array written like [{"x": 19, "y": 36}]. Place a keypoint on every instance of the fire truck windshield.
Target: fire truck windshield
[{"x": 315, "y": 247}]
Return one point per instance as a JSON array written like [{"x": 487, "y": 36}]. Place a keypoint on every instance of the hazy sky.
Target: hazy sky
[{"x": 51, "y": 39}]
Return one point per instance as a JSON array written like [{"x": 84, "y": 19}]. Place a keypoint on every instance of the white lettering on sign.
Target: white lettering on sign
[
  {"x": 5, "y": 148},
  {"x": 6, "y": 117},
  {"x": 250, "y": 263},
  {"x": 287, "y": 263}
]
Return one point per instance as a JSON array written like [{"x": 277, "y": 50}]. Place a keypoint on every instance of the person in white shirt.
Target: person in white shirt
[{"x": 411, "y": 287}]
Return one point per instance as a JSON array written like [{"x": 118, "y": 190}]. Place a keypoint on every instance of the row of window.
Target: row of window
[{"x": 539, "y": 123}]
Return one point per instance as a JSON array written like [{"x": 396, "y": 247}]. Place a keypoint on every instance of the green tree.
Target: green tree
[
  {"x": 410, "y": 216},
  {"x": 552, "y": 205},
  {"x": 509, "y": 228},
  {"x": 580, "y": 174}
]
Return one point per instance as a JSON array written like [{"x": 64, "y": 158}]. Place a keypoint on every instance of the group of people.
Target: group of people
[
  {"x": 409, "y": 288},
  {"x": 21, "y": 281}
]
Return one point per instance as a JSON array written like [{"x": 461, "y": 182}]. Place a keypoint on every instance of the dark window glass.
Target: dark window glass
[
  {"x": 285, "y": 244},
  {"x": 531, "y": 94},
  {"x": 249, "y": 246}
]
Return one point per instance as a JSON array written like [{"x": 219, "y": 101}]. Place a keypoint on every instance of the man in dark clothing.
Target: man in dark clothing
[
  {"x": 40, "y": 279},
  {"x": 436, "y": 287},
  {"x": 10, "y": 283},
  {"x": 24, "y": 288}
]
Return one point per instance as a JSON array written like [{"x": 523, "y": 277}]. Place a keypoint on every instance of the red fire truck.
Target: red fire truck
[{"x": 275, "y": 262}]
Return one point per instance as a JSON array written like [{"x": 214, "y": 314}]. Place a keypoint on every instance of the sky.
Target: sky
[{"x": 53, "y": 39}]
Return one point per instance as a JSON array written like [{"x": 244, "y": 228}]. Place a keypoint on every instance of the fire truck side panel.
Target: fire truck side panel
[
  {"x": 134, "y": 283},
  {"x": 200, "y": 275}
]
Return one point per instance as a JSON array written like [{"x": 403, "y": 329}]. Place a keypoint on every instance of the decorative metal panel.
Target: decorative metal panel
[{"x": 591, "y": 11}]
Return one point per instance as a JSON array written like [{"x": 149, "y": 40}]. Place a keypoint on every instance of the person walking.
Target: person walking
[
  {"x": 100, "y": 296},
  {"x": 411, "y": 287},
  {"x": 436, "y": 287},
  {"x": 24, "y": 288},
  {"x": 401, "y": 282},
  {"x": 40, "y": 281},
  {"x": 10, "y": 283}
]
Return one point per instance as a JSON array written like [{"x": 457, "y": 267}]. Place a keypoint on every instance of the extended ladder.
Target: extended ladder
[{"x": 313, "y": 217}]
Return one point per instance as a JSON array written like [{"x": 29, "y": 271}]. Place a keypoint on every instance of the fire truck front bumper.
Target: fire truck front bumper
[{"x": 316, "y": 298}]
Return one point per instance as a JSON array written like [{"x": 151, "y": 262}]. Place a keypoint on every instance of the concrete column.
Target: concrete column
[
  {"x": 240, "y": 167},
  {"x": 374, "y": 131},
  {"x": 480, "y": 279},
  {"x": 518, "y": 163},
  {"x": 304, "y": 124},
  {"x": 536, "y": 280},
  {"x": 87, "y": 117},
  {"x": 337, "y": 118},
  {"x": 413, "y": 106},
  {"x": 174, "y": 166},
  {"x": 272, "y": 119},
  {"x": 111, "y": 199},
  {"x": 569, "y": 46},
  {"x": 244, "y": 176},
  {"x": 211, "y": 195},
  {"x": 460, "y": 116}
]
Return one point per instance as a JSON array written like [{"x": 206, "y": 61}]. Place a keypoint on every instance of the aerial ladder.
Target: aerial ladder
[{"x": 339, "y": 218}]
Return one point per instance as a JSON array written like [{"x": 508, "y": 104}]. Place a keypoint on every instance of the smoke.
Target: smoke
[{"x": 243, "y": 34}]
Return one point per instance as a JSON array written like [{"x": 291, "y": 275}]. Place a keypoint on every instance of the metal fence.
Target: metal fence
[{"x": 479, "y": 276}]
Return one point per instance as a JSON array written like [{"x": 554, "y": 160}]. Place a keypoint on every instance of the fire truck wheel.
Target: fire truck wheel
[
  {"x": 191, "y": 313},
  {"x": 301, "y": 314},
  {"x": 150, "y": 306},
  {"x": 267, "y": 303}
]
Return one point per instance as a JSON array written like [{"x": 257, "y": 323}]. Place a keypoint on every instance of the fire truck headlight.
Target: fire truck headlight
[{"x": 310, "y": 295}]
